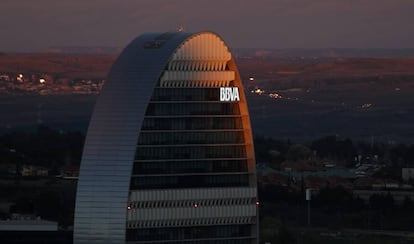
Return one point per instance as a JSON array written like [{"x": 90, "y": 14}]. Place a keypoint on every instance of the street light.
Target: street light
[{"x": 308, "y": 199}]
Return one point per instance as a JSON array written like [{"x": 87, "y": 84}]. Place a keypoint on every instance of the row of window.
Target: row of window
[
  {"x": 171, "y": 109},
  {"x": 195, "y": 152},
  {"x": 182, "y": 233},
  {"x": 186, "y": 94},
  {"x": 160, "y": 223},
  {"x": 197, "y": 65},
  {"x": 174, "y": 83},
  {"x": 192, "y": 203},
  {"x": 176, "y": 138},
  {"x": 192, "y": 123},
  {"x": 226, "y": 241},
  {"x": 245, "y": 240},
  {"x": 142, "y": 168},
  {"x": 188, "y": 181}
]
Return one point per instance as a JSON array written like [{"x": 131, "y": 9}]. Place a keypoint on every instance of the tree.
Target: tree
[
  {"x": 269, "y": 227},
  {"x": 297, "y": 152}
]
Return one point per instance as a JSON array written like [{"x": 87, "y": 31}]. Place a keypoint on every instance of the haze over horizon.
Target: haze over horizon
[{"x": 38, "y": 25}]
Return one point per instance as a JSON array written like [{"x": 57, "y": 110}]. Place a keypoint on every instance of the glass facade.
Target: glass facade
[
  {"x": 168, "y": 156},
  {"x": 196, "y": 108},
  {"x": 192, "y": 123},
  {"x": 188, "y": 181},
  {"x": 177, "y": 139},
  {"x": 189, "y": 166},
  {"x": 189, "y": 139},
  {"x": 185, "y": 94},
  {"x": 191, "y": 152}
]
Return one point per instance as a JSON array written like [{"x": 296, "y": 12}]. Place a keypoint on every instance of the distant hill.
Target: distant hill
[
  {"x": 74, "y": 66},
  {"x": 84, "y": 50},
  {"x": 96, "y": 66},
  {"x": 267, "y": 52},
  {"x": 324, "y": 52},
  {"x": 275, "y": 73},
  {"x": 360, "y": 98}
]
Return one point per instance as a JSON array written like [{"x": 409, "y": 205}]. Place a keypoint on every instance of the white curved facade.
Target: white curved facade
[{"x": 169, "y": 155}]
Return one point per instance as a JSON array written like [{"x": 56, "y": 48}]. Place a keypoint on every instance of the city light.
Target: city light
[
  {"x": 258, "y": 91},
  {"x": 20, "y": 77},
  {"x": 275, "y": 95}
]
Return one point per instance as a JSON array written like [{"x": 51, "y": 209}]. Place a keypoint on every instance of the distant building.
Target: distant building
[
  {"x": 28, "y": 225},
  {"x": 4, "y": 77},
  {"x": 28, "y": 229},
  {"x": 31, "y": 170},
  {"x": 70, "y": 171},
  {"x": 169, "y": 155}
]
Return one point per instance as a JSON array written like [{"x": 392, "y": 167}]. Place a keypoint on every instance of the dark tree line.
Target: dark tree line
[
  {"x": 52, "y": 149},
  {"x": 45, "y": 147},
  {"x": 336, "y": 207},
  {"x": 336, "y": 149}
]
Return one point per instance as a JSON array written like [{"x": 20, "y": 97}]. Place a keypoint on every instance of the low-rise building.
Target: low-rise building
[
  {"x": 31, "y": 170},
  {"x": 25, "y": 224}
]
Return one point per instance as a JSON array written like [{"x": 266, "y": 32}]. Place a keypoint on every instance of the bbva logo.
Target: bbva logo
[{"x": 229, "y": 94}]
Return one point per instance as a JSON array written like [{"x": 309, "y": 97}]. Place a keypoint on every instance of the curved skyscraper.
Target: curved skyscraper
[{"x": 168, "y": 156}]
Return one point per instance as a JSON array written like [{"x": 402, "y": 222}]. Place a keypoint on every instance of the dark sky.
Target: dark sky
[{"x": 33, "y": 25}]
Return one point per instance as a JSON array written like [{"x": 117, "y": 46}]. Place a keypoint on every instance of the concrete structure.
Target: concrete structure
[
  {"x": 169, "y": 155},
  {"x": 28, "y": 225}
]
